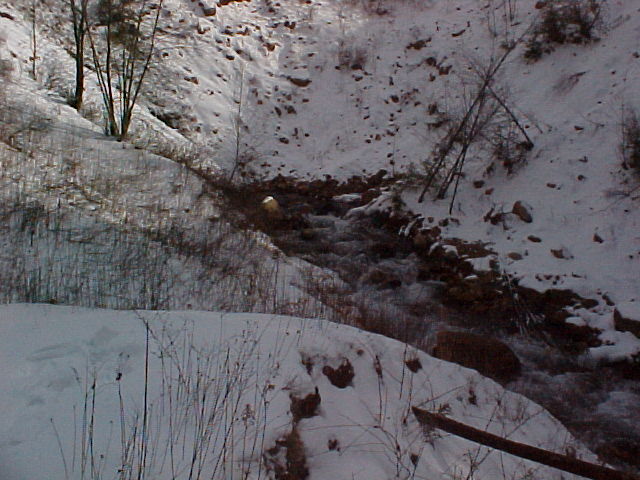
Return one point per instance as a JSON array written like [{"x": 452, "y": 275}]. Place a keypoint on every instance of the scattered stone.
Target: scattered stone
[
  {"x": 209, "y": 11},
  {"x": 488, "y": 356},
  {"x": 561, "y": 253},
  {"x": 299, "y": 82},
  {"x": 533, "y": 238},
  {"x": 522, "y": 211},
  {"x": 202, "y": 28},
  {"x": 478, "y": 183},
  {"x": 597, "y": 238},
  {"x": 333, "y": 444},
  {"x": 418, "y": 44},
  {"x": 514, "y": 256}
]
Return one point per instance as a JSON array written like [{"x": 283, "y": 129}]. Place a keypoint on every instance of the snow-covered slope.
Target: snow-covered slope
[
  {"x": 379, "y": 81},
  {"x": 75, "y": 380},
  {"x": 308, "y": 89},
  {"x": 340, "y": 88}
]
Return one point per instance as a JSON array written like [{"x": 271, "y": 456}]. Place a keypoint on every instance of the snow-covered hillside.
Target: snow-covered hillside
[
  {"x": 340, "y": 88},
  {"x": 221, "y": 393}
]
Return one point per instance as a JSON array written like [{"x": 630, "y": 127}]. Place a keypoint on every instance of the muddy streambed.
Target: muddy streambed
[{"x": 409, "y": 289}]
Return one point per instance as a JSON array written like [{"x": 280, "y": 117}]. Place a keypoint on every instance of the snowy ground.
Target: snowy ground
[
  {"x": 379, "y": 80},
  {"x": 373, "y": 79},
  {"x": 220, "y": 385}
]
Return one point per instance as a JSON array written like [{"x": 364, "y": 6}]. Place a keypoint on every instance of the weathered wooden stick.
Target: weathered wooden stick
[{"x": 551, "y": 459}]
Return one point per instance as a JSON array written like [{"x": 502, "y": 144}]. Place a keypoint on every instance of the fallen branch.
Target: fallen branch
[{"x": 545, "y": 457}]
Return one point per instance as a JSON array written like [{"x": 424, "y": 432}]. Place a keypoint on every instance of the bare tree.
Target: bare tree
[
  {"x": 79, "y": 19},
  {"x": 483, "y": 106},
  {"x": 122, "y": 56},
  {"x": 33, "y": 11},
  {"x": 238, "y": 123}
]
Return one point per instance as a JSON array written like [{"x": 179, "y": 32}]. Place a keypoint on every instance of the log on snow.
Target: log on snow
[{"x": 545, "y": 457}]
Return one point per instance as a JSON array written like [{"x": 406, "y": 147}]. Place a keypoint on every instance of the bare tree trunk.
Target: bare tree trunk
[
  {"x": 238, "y": 126},
  {"x": 132, "y": 76},
  {"x": 545, "y": 457},
  {"x": 124, "y": 61},
  {"x": 34, "y": 40},
  {"x": 80, "y": 24}
]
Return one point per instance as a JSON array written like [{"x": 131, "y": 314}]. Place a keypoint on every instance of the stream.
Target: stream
[{"x": 403, "y": 289}]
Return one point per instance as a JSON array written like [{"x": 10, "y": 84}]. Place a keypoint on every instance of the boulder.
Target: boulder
[
  {"x": 488, "y": 356},
  {"x": 272, "y": 208},
  {"x": 624, "y": 324},
  {"x": 522, "y": 211}
]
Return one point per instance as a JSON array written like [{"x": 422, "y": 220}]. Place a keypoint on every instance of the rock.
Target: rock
[
  {"x": 466, "y": 292},
  {"x": 514, "y": 256},
  {"x": 561, "y": 253},
  {"x": 420, "y": 241},
  {"x": 299, "y": 82},
  {"x": 308, "y": 234},
  {"x": 522, "y": 211},
  {"x": 272, "y": 208},
  {"x": 203, "y": 28},
  {"x": 623, "y": 324},
  {"x": 488, "y": 356},
  {"x": 209, "y": 11},
  {"x": 533, "y": 238},
  {"x": 381, "y": 279}
]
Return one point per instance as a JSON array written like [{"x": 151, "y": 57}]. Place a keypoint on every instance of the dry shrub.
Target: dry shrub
[
  {"x": 287, "y": 459},
  {"x": 564, "y": 22},
  {"x": 630, "y": 146},
  {"x": 351, "y": 56}
]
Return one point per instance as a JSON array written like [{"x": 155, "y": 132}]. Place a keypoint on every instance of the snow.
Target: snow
[
  {"x": 366, "y": 109},
  {"x": 617, "y": 346},
  {"x": 249, "y": 365},
  {"x": 347, "y": 121}
]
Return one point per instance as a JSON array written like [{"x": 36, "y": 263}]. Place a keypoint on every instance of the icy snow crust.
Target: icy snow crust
[{"x": 51, "y": 356}]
